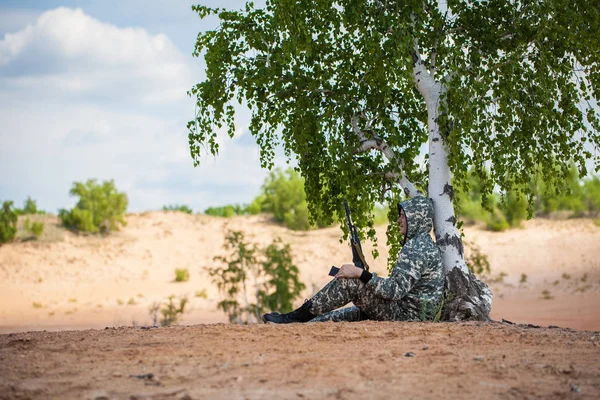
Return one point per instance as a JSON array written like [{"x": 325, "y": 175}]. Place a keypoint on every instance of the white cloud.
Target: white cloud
[
  {"x": 81, "y": 99},
  {"x": 70, "y": 53}
]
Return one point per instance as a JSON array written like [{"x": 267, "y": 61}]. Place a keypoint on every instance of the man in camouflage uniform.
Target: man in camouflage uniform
[{"x": 412, "y": 292}]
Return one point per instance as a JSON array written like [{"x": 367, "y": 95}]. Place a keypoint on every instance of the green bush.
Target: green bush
[
  {"x": 497, "y": 221},
  {"x": 8, "y": 222},
  {"x": 101, "y": 208},
  {"x": 29, "y": 208},
  {"x": 171, "y": 312},
  {"x": 182, "y": 275},
  {"x": 591, "y": 195},
  {"x": 514, "y": 208},
  {"x": 178, "y": 207},
  {"x": 34, "y": 228},
  {"x": 254, "y": 280},
  {"x": 283, "y": 195},
  {"x": 225, "y": 211}
]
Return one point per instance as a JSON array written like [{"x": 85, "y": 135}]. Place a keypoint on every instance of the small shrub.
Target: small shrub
[
  {"x": 34, "y": 229},
  {"x": 37, "y": 305},
  {"x": 497, "y": 222},
  {"x": 566, "y": 276},
  {"x": 182, "y": 275},
  {"x": 171, "y": 312},
  {"x": 30, "y": 207},
  {"x": 131, "y": 302},
  {"x": 499, "y": 278},
  {"x": 120, "y": 302},
  {"x": 101, "y": 208},
  {"x": 546, "y": 295},
  {"x": 253, "y": 280},
  {"x": 8, "y": 222},
  {"x": 73, "y": 300},
  {"x": 178, "y": 207},
  {"x": 584, "y": 278},
  {"x": 597, "y": 222},
  {"x": 202, "y": 294},
  {"x": 477, "y": 261},
  {"x": 523, "y": 279}
]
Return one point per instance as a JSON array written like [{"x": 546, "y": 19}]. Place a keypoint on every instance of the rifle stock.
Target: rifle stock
[{"x": 358, "y": 258}]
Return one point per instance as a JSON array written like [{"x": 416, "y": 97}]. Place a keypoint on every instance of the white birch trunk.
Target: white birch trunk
[
  {"x": 440, "y": 188},
  {"x": 471, "y": 298}
]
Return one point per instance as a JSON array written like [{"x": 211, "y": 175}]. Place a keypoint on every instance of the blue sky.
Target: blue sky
[{"x": 97, "y": 89}]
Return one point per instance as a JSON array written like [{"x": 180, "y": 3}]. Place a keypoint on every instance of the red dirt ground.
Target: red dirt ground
[{"x": 304, "y": 361}]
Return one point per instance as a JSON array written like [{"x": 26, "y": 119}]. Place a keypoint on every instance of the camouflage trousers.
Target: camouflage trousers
[{"x": 367, "y": 305}]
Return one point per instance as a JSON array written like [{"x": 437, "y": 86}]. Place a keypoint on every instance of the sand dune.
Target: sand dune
[{"x": 92, "y": 282}]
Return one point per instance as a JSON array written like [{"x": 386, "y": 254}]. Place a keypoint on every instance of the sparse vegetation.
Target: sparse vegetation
[
  {"x": 131, "y": 302},
  {"x": 477, "y": 261},
  {"x": 546, "y": 295},
  {"x": 499, "y": 278},
  {"x": 178, "y": 207},
  {"x": 173, "y": 310},
  {"x": 566, "y": 276},
  {"x": 523, "y": 279},
  {"x": 584, "y": 278},
  {"x": 8, "y": 222},
  {"x": 72, "y": 300},
  {"x": 583, "y": 288},
  {"x": 120, "y": 302},
  {"x": 100, "y": 208},
  {"x": 201, "y": 294},
  {"x": 34, "y": 229},
  {"x": 29, "y": 208},
  {"x": 37, "y": 305},
  {"x": 255, "y": 280},
  {"x": 182, "y": 275}
]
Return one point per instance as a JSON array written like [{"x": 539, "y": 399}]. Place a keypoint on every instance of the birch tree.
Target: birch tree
[{"x": 354, "y": 90}]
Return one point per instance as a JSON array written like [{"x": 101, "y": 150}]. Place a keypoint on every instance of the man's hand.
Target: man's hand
[{"x": 349, "y": 271}]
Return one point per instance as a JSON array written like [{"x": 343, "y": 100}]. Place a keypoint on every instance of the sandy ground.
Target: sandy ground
[
  {"x": 84, "y": 282},
  {"x": 366, "y": 360},
  {"x": 79, "y": 282}
]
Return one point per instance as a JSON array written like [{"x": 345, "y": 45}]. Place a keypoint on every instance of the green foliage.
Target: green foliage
[
  {"x": 497, "y": 221},
  {"x": 282, "y": 284},
  {"x": 8, "y": 222},
  {"x": 172, "y": 310},
  {"x": 591, "y": 195},
  {"x": 177, "y": 207},
  {"x": 254, "y": 280},
  {"x": 231, "y": 280},
  {"x": 182, "y": 275},
  {"x": 477, "y": 261},
  {"x": 283, "y": 195},
  {"x": 236, "y": 209},
  {"x": 34, "y": 228},
  {"x": 519, "y": 83},
  {"x": 225, "y": 211},
  {"x": 100, "y": 208},
  {"x": 29, "y": 208}
]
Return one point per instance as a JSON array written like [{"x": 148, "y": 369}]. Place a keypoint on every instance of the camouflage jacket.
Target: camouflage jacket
[{"x": 417, "y": 279}]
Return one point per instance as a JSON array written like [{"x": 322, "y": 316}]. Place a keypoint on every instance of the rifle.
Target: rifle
[{"x": 358, "y": 258}]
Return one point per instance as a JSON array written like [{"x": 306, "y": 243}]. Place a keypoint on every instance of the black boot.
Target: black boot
[{"x": 302, "y": 314}]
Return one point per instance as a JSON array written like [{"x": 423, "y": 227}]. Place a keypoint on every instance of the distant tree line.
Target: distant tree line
[
  {"x": 500, "y": 211},
  {"x": 101, "y": 207}
]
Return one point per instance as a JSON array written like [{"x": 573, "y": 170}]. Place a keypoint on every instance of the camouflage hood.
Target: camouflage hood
[{"x": 419, "y": 216}]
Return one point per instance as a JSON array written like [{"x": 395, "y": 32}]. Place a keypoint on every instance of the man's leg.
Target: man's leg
[
  {"x": 348, "y": 314},
  {"x": 340, "y": 292}
]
